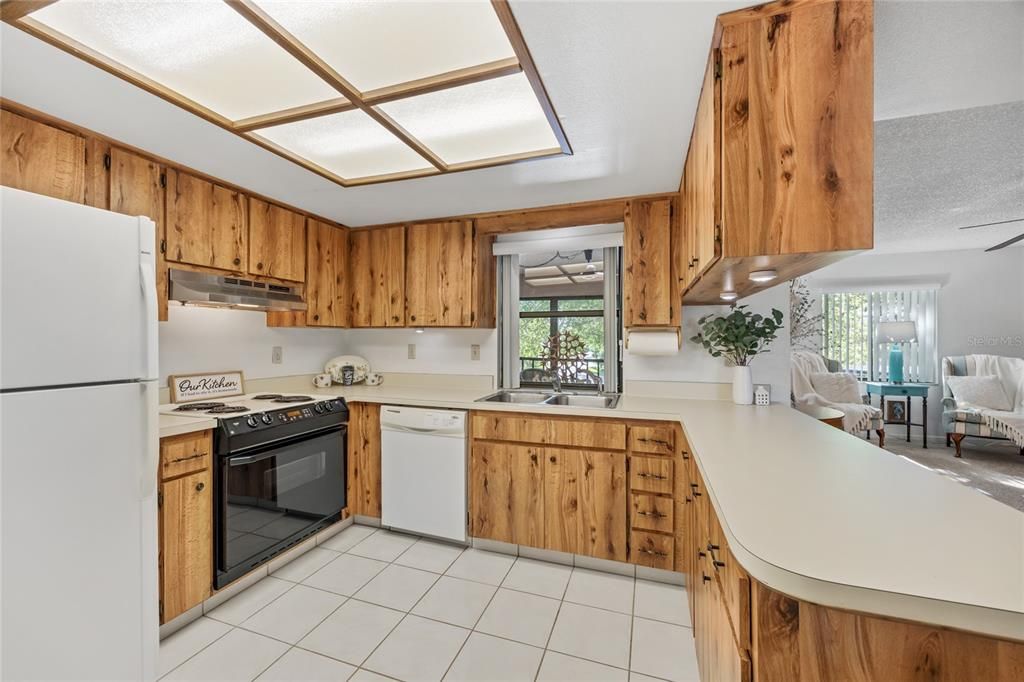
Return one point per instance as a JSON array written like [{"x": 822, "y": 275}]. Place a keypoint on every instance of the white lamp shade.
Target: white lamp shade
[{"x": 897, "y": 332}]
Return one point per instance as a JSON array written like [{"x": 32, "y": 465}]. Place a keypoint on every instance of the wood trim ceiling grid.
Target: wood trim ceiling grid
[{"x": 16, "y": 13}]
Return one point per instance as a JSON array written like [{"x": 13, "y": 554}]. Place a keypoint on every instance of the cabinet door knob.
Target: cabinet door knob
[
  {"x": 316, "y": 317},
  {"x": 199, "y": 487},
  {"x": 259, "y": 266},
  {"x": 237, "y": 261}
]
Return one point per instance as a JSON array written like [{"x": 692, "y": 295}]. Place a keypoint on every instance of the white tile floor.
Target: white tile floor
[{"x": 374, "y": 605}]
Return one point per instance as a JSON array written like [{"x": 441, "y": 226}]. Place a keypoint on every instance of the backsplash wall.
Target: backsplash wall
[{"x": 196, "y": 339}]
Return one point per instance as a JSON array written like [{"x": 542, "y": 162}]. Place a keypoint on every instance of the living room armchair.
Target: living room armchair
[
  {"x": 815, "y": 385},
  {"x": 960, "y": 421}
]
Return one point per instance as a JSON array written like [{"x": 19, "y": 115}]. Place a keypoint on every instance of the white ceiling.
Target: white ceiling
[{"x": 624, "y": 78}]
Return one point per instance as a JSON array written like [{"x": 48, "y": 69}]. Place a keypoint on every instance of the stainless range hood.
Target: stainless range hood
[{"x": 220, "y": 291}]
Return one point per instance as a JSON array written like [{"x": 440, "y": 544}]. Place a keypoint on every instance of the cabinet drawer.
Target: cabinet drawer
[
  {"x": 731, "y": 581},
  {"x": 184, "y": 454},
  {"x": 657, "y": 439},
  {"x": 650, "y": 475},
  {"x": 651, "y": 512},
  {"x": 652, "y": 550},
  {"x": 606, "y": 435}
]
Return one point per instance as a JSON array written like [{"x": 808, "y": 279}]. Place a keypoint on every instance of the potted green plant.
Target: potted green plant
[{"x": 738, "y": 336}]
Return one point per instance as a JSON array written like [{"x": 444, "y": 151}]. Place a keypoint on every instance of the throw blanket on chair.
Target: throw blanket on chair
[
  {"x": 1010, "y": 372},
  {"x": 856, "y": 416}
]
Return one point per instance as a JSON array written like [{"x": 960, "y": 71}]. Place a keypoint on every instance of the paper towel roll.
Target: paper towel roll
[{"x": 653, "y": 342}]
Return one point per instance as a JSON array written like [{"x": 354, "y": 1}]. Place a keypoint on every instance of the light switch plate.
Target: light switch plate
[
  {"x": 412, "y": 351},
  {"x": 277, "y": 355},
  {"x": 474, "y": 351}
]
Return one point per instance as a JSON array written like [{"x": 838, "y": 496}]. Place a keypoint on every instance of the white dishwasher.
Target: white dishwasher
[{"x": 423, "y": 471}]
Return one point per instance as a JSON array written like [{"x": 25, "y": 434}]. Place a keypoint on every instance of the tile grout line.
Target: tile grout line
[{"x": 216, "y": 639}]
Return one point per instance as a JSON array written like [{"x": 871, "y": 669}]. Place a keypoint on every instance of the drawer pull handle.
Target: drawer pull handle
[
  {"x": 705, "y": 578},
  {"x": 701, "y": 554},
  {"x": 697, "y": 494},
  {"x": 686, "y": 455},
  {"x": 693, "y": 485},
  {"x": 653, "y": 552},
  {"x": 656, "y": 477},
  {"x": 655, "y": 514},
  {"x": 656, "y": 441},
  {"x": 185, "y": 459},
  {"x": 712, "y": 547},
  {"x": 718, "y": 564}
]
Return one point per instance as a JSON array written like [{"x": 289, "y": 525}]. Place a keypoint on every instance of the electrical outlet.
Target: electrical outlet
[
  {"x": 474, "y": 351},
  {"x": 412, "y": 351},
  {"x": 277, "y": 355}
]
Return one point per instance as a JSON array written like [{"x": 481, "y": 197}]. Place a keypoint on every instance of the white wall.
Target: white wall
[
  {"x": 438, "y": 351},
  {"x": 207, "y": 339},
  {"x": 980, "y": 303},
  {"x": 693, "y": 363}
]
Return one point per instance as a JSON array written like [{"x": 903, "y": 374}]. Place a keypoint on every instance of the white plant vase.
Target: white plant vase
[{"x": 742, "y": 385}]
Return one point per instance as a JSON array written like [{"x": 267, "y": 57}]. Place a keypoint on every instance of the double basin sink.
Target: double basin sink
[{"x": 566, "y": 399}]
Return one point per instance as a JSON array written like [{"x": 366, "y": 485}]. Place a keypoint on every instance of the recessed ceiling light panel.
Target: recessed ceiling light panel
[
  {"x": 493, "y": 118},
  {"x": 351, "y": 145},
  {"x": 376, "y": 43},
  {"x": 202, "y": 50},
  {"x": 549, "y": 281}
]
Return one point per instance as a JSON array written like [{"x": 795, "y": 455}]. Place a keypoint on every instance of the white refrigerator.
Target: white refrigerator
[{"x": 78, "y": 442}]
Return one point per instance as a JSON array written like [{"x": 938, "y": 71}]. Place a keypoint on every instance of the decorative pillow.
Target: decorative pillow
[
  {"x": 836, "y": 387},
  {"x": 979, "y": 392}
]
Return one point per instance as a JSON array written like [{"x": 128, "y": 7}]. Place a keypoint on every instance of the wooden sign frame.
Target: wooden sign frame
[{"x": 187, "y": 388}]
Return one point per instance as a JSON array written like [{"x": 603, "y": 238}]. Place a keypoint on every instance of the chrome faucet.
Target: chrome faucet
[
  {"x": 556, "y": 382},
  {"x": 600, "y": 385}
]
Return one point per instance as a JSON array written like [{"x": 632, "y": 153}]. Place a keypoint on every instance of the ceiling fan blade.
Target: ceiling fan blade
[
  {"x": 1008, "y": 242},
  {"x": 998, "y": 222}
]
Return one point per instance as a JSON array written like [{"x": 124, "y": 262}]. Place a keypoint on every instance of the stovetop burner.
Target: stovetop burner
[
  {"x": 197, "y": 407},
  {"x": 293, "y": 399},
  {"x": 267, "y": 396},
  {"x": 227, "y": 409}
]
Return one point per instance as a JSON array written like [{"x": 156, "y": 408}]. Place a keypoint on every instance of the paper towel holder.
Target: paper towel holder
[{"x": 641, "y": 330}]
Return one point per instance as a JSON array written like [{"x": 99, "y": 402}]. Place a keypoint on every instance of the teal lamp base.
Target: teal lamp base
[{"x": 896, "y": 364}]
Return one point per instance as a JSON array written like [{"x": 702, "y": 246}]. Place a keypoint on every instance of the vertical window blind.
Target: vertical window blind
[{"x": 850, "y": 323}]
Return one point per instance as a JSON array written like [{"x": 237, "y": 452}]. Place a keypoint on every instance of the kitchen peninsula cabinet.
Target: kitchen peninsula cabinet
[
  {"x": 439, "y": 274},
  {"x": 778, "y": 175},
  {"x": 277, "y": 241},
  {"x": 377, "y": 277},
  {"x": 185, "y": 501},
  {"x": 41, "y": 158},
  {"x": 364, "y": 459},
  {"x": 207, "y": 224},
  {"x": 647, "y": 291}
]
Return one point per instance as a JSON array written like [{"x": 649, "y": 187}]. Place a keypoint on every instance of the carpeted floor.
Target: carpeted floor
[{"x": 990, "y": 466}]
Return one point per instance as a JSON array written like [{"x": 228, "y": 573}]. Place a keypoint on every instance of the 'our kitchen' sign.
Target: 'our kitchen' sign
[{"x": 188, "y": 387}]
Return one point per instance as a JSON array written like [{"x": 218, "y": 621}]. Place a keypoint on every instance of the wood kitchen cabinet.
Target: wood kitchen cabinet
[
  {"x": 327, "y": 264},
  {"x": 43, "y": 159},
  {"x": 779, "y": 170},
  {"x": 207, "y": 224},
  {"x": 585, "y": 502},
  {"x": 647, "y": 289},
  {"x": 277, "y": 241},
  {"x": 506, "y": 483},
  {"x": 185, "y": 522},
  {"x": 377, "y": 277},
  {"x": 364, "y": 459},
  {"x": 439, "y": 274}
]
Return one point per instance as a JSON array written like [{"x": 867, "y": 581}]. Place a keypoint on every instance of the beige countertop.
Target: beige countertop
[
  {"x": 173, "y": 425},
  {"x": 824, "y": 516}
]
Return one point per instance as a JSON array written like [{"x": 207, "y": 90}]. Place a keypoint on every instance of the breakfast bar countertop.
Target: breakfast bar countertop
[{"x": 822, "y": 515}]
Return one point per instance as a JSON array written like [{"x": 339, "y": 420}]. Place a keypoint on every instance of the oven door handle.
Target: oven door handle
[{"x": 242, "y": 461}]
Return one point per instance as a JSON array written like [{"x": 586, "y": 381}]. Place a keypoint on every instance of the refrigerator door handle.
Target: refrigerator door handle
[
  {"x": 147, "y": 277},
  {"x": 149, "y": 471}
]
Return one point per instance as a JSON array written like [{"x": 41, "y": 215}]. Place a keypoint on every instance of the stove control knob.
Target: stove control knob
[
  {"x": 267, "y": 419},
  {"x": 319, "y": 407},
  {"x": 251, "y": 421},
  {"x": 329, "y": 405}
]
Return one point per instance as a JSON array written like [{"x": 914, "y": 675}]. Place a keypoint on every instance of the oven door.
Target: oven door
[{"x": 270, "y": 498}]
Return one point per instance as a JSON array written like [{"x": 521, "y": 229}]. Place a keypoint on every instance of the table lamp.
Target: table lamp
[{"x": 896, "y": 333}]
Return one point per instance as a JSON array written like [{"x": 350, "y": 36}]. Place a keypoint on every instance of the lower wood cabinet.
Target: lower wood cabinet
[
  {"x": 585, "y": 502},
  {"x": 364, "y": 459},
  {"x": 185, "y": 523},
  {"x": 506, "y": 493}
]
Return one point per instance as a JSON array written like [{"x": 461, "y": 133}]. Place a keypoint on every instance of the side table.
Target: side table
[{"x": 909, "y": 391}]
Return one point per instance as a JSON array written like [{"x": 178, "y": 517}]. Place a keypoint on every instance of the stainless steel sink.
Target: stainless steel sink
[
  {"x": 519, "y": 397},
  {"x": 604, "y": 401}
]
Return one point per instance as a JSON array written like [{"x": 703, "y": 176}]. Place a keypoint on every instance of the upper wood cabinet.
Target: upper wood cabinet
[
  {"x": 42, "y": 159},
  {"x": 779, "y": 170},
  {"x": 377, "y": 277},
  {"x": 439, "y": 274},
  {"x": 207, "y": 224},
  {"x": 647, "y": 265},
  {"x": 277, "y": 241},
  {"x": 327, "y": 265}
]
